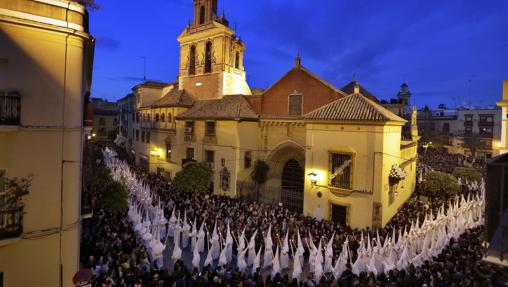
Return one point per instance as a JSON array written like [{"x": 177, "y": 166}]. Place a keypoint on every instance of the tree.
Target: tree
[
  {"x": 114, "y": 197},
  {"x": 194, "y": 177},
  {"x": 472, "y": 142},
  {"x": 439, "y": 184},
  {"x": 467, "y": 173},
  {"x": 259, "y": 174},
  {"x": 103, "y": 175}
]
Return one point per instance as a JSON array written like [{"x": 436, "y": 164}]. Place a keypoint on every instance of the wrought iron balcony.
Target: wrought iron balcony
[
  {"x": 11, "y": 223},
  {"x": 10, "y": 108}
]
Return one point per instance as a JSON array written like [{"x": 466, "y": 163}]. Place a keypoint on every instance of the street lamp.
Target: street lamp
[{"x": 313, "y": 178}]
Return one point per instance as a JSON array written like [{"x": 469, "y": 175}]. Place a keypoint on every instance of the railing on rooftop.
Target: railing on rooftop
[
  {"x": 10, "y": 108},
  {"x": 11, "y": 223}
]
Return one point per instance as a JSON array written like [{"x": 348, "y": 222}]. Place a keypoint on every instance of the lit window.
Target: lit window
[
  {"x": 157, "y": 117},
  {"x": 163, "y": 117},
  {"x": 340, "y": 170}
]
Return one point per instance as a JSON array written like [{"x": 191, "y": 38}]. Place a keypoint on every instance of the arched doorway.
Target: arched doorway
[{"x": 292, "y": 186}]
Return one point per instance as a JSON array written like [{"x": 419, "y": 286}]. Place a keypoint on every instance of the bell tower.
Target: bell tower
[
  {"x": 205, "y": 11},
  {"x": 211, "y": 55}
]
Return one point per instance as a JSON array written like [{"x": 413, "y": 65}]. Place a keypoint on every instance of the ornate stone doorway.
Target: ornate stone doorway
[{"x": 292, "y": 181}]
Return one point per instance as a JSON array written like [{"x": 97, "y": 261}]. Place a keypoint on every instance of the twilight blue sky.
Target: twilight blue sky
[{"x": 448, "y": 51}]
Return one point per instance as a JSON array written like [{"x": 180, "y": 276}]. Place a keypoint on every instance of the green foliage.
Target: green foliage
[
  {"x": 114, "y": 197},
  {"x": 103, "y": 175},
  {"x": 439, "y": 184},
  {"x": 467, "y": 173},
  {"x": 259, "y": 173},
  {"x": 194, "y": 177},
  {"x": 15, "y": 189}
]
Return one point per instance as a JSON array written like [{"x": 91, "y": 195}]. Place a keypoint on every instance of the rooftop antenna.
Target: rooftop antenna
[
  {"x": 144, "y": 67},
  {"x": 354, "y": 78}
]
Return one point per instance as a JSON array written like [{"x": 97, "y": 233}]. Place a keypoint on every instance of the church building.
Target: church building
[{"x": 333, "y": 153}]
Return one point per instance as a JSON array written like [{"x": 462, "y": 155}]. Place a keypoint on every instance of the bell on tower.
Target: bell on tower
[{"x": 205, "y": 11}]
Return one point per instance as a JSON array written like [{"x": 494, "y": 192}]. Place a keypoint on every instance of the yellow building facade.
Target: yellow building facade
[
  {"x": 45, "y": 72},
  {"x": 333, "y": 154},
  {"x": 503, "y": 145}
]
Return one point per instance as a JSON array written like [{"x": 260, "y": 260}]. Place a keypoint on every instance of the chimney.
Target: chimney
[{"x": 505, "y": 90}]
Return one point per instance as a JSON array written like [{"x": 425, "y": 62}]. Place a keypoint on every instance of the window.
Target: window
[
  {"x": 147, "y": 137},
  {"x": 209, "y": 158},
  {"x": 446, "y": 127},
  {"x": 168, "y": 152},
  {"x": 486, "y": 118},
  {"x": 137, "y": 135},
  {"x": 189, "y": 131},
  {"x": 102, "y": 122},
  {"x": 149, "y": 118},
  {"x": 210, "y": 129},
  {"x": 237, "y": 60},
  {"x": 469, "y": 118},
  {"x": 247, "y": 159},
  {"x": 115, "y": 121},
  {"x": 202, "y": 15},
  {"x": 163, "y": 117},
  {"x": 143, "y": 136},
  {"x": 224, "y": 179},
  {"x": 169, "y": 117},
  {"x": 192, "y": 60},
  {"x": 295, "y": 105},
  {"x": 468, "y": 130},
  {"x": 157, "y": 117},
  {"x": 340, "y": 170},
  {"x": 137, "y": 117},
  {"x": 3, "y": 74},
  {"x": 208, "y": 57},
  {"x": 189, "y": 153}
]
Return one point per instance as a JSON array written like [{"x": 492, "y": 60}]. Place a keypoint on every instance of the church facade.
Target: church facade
[{"x": 333, "y": 153}]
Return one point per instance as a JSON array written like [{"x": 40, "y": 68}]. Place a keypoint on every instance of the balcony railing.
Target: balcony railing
[
  {"x": 11, "y": 223},
  {"x": 10, "y": 108},
  {"x": 485, "y": 124}
]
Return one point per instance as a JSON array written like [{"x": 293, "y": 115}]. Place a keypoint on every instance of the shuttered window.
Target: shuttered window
[{"x": 295, "y": 105}]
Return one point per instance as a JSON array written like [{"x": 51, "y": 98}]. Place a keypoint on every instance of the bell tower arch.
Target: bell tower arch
[{"x": 211, "y": 55}]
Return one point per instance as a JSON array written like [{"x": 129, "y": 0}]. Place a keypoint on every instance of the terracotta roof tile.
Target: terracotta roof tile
[
  {"x": 232, "y": 107},
  {"x": 354, "y": 107},
  {"x": 175, "y": 98}
]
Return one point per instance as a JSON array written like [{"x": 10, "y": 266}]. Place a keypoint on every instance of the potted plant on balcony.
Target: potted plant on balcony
[{"x": 14, "y": 190}]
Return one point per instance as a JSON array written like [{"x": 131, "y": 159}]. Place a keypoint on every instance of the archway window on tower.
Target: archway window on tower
[
  {"x": 208, "y": 57},
  {"x": 237, "y": 60},
  {"x": 202, "y": 15},
  {"x": 192, "y": 60}
]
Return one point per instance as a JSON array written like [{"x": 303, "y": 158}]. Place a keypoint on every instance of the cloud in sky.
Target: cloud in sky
[{"x": 432, "y": 45}]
